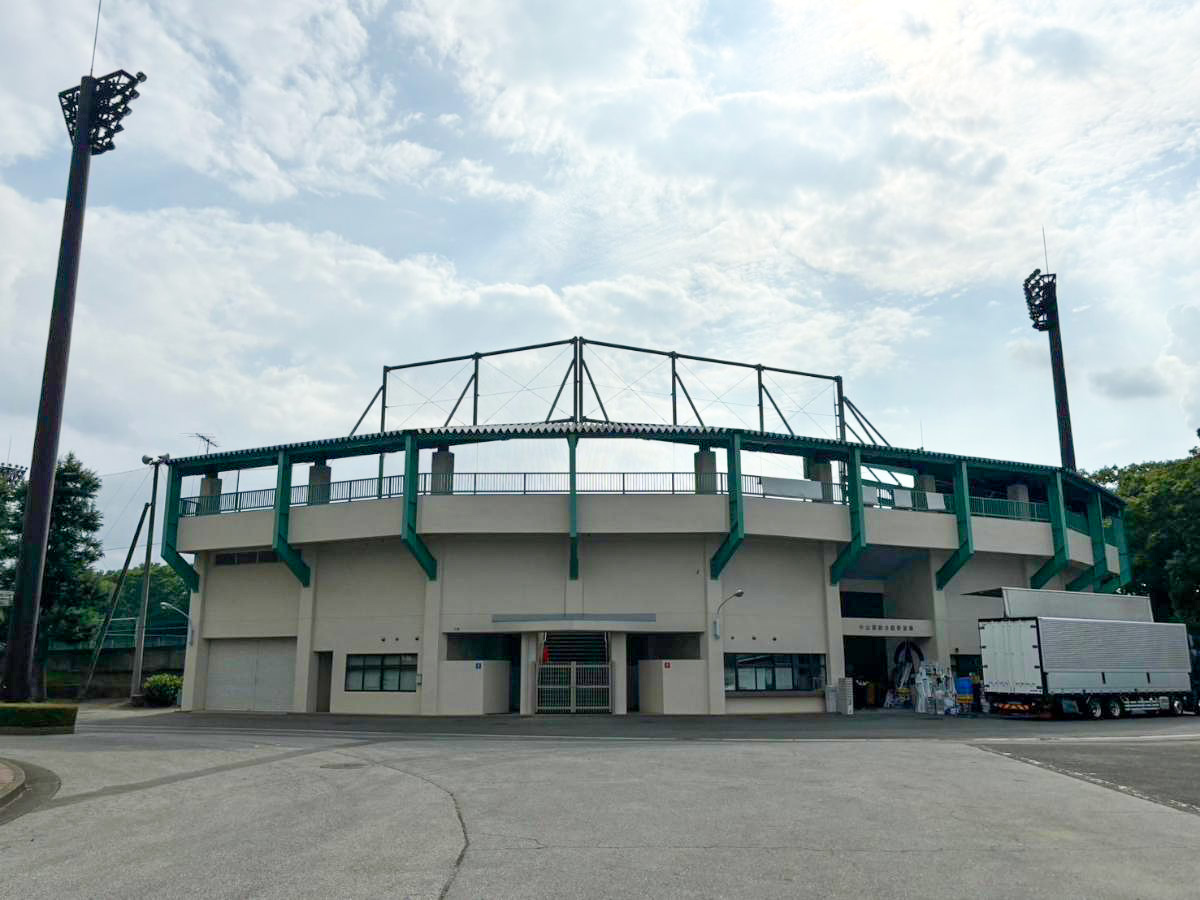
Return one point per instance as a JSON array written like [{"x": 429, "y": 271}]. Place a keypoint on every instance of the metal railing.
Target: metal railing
[{"x": 493, "y": 483}]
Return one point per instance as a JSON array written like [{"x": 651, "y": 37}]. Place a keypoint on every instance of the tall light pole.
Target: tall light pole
[
  {"x": 135, "y": 683},
  {"x": 93, "y": 113},
  {"x": 1041, "y": 297}
]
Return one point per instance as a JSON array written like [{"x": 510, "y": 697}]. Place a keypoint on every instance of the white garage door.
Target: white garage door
[{"x": 251, "y": 674}]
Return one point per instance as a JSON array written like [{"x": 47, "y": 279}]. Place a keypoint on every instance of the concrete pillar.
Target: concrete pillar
[
  {"x": 195, "y": 666},
  {"x": 619, "y": 665},
  {"x": 706, "y": 472},
  {"x": 573, "y": 595},
  {"x": 822, "y": 472},
  {"x": 304, "y": 686},
  {"x": 442, "y": 479},
  {"x": 318, "y": 483},
  {"x": 529, "y": 648},
  {"x": 835, "y": 647},
  {"x": 926, "y": 483},
  {"x": 713, "y": 648},
  {"x": 210, "y": 487},
  {"x": 432, "y": 647},
  {"x": 1018, "y": 492}
]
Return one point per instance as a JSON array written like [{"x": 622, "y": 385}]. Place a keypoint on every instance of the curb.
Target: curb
[
  {"x": 44, "y": 729},
  {"x": 12, "y": 779}
]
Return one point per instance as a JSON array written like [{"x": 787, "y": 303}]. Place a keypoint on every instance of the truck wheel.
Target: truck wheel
[
  {"x": 1177, "y": 707},
  {"x": 1113, "y": 708},
  {"x": 1092, "y": 709}
]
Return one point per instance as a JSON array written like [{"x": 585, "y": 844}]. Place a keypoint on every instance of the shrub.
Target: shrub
[
  {"x": 161, "y": 690},
  {"x": 37, "y": 715}
]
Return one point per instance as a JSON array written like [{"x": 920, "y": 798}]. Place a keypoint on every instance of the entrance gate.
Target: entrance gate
[{"x": 574, "y": 688}]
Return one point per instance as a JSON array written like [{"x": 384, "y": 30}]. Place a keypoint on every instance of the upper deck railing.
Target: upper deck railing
[{"x": 493, "y": 483}]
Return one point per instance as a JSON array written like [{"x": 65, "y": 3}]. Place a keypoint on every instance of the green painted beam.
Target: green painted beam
[
  {"x": 737, "y": 509},
  {"x": 1058, "y": 529},
  {"x": 287, "y": 554},
  {"x": 170, "y": 536},
  {"x": 408, "y": 526},
  {"x": 1125, "y": 575},
  {"x": 1095, "y": 515},
  {"x": 573, "y": 505},
  {"x": 850, "y": 554},
  {"x": 966, "y": 539}
]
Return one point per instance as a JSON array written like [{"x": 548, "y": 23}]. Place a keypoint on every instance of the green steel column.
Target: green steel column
[
  {"x": 1094, "y": 577},
  {"x": 858, "y": 518},
  {"x": 170, "y": 534},
  {"x": 1124, "y": 576},
  {"x": 573, "y": 505},
  {"x": 966, "y": 540},
  {"x": 737, "y": 510},
  {"x": 408, "y": 526},
  {"x": 1058, "y": 529},
  {"x": 283, "y": 513}
]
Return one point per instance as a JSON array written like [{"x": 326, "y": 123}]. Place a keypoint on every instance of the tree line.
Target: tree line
[{"x": 75, "y": 590}]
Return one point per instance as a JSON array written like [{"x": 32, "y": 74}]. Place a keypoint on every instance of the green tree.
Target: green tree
[
  {"x": 1162, "y": 526},
  {"x": 72, "y": 593},
  {"x": 165, "y": 587}
]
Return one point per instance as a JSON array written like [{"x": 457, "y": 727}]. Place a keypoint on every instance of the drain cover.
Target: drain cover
[{"x": 344, "y": 766}]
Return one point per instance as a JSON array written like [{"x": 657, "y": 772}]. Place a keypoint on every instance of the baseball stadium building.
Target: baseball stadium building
[{"x": 713, "y": 590}]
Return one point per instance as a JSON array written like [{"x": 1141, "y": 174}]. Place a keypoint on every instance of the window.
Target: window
[
  {"x": 246, "y": 557},
  {"x": 774, "y": 672},
  {"x": 381, "y": 672}
]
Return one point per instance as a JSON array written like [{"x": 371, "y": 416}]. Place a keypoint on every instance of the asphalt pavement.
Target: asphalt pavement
[{"x": 258, "y": 806}]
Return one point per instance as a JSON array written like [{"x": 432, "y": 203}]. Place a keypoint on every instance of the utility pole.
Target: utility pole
[
  {"x": 1041, "y": 297},
  {"x": 93, "y": 112},
  {"x": 135, "y": 684}
]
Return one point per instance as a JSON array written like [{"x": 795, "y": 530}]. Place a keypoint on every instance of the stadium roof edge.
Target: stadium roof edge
[{"x": 755, "y": 441}]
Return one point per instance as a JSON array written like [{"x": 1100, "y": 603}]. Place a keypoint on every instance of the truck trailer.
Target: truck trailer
[{"x": 1090, "y": 667}]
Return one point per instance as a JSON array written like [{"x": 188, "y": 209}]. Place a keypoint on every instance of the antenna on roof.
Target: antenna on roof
[{"x": 207, "y": 439}]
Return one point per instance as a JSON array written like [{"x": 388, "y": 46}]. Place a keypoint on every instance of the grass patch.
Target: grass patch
[{"x": 38, "y": 715}]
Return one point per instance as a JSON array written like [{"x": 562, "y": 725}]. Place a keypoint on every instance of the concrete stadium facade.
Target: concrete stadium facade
[{"x": 437, "y": 593}]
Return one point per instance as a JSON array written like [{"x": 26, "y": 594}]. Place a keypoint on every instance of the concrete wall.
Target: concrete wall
[
  {"x": 985, "y": 571},
  {"x": 473, "y": 688},
  {"x": 639, "y": 573},
  {"x": 783, "y": 610},
  {"x": 673, "y": 687},
  {"x": 369, "y": 598},
  {"x": 252, "y": 600},
  {"x": 762, "y": 705},
  {"x": 396, "y": 703}
]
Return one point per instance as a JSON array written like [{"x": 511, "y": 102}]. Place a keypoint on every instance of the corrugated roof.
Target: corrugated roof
[{"x": 752, "y": 440}]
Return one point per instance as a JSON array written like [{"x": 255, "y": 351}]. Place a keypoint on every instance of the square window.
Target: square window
[
  {"x": 391, "y": 679},
  {"x": 372, "y": 679},
  {"x": 354, "y": 680}
]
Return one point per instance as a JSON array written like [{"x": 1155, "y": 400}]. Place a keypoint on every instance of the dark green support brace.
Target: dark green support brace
[
  {"x": 573, "y": 504},
  {"x": 858, "y": 519},
  {"x": 408, "y": 527},
  {"x": 966, "y": 540},
  {"x": 283, "y": 514},
  {"x": 170, "y": 535},
  {"x": 1124, "y": 577},
  {"x": 1058, "y": 529},
  {"x": 737, "y": 510},
  {"x": 1094, "y": 577}
]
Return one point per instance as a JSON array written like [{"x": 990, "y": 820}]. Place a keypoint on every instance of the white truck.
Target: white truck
[{"x": 1090, "y": 667}]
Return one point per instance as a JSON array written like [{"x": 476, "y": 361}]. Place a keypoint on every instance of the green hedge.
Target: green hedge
[
  {"x": 162, "y": 690},
  {"x": 37, "y": 715}
]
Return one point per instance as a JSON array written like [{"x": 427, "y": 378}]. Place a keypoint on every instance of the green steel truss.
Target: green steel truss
[
  {"x": 170, "y": 536},
  {"x": 411, "y": 441},
  {"x": 408, "y": 528},
  {"x": 573, "y": 503},
  {"x": 737, "y": 510},
  {"x": 287, "y": 554},
  {"x": 858, "y": 519},
  {"x": 1058, "y": 529},
  {"x": 966, "y": 539}
]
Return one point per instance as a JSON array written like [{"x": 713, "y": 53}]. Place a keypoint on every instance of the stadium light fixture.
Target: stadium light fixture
[
  {"x": 716, "y": 624},
  {"x": 1041, "y": 299}
]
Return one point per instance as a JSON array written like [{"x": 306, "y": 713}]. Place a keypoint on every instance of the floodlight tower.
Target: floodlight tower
[
  {"x": 93, "y": 113},
  {"x": 1041, "y": 296}
]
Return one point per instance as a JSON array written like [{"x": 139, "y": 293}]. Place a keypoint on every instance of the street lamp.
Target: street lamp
[
  {"x": 163, "y": 604},
  {"x": 135, "y": 685},
  {"x": 93, "y": 113},
  {"x": 717, "y": 615}
]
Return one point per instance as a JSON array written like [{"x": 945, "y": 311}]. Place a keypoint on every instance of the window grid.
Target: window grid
[
  {"x": 381, "y": 672},
  {"x": 765, "y": 672}
]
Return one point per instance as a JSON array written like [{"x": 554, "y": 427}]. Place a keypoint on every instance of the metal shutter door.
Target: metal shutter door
[
  {"x": 274, "y": 675},
  {"x": 251, "y": 674}
]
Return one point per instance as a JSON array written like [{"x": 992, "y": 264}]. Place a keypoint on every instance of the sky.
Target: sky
[{"x": 309, "y": 189}]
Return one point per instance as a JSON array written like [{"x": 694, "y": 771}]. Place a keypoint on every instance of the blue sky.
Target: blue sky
[{"x": 310, "y": 189}]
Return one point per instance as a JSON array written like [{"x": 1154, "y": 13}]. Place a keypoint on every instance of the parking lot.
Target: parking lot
[{"x": 883, "y": 805}]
